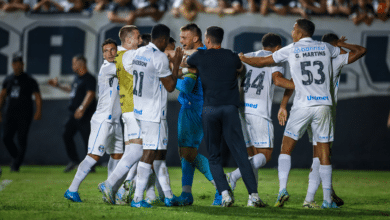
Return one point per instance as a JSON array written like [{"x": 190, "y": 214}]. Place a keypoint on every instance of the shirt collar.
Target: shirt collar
[
  {"x": 306, "y": 39},
  {"x": 154, "y": 46}
]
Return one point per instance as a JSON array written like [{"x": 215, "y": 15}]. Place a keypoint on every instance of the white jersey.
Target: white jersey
[
  {"x": 127, "y": 60},
  {"x": 258, "y": 87},
  {"x": 338, "y": 63},
  {"x": 311, "y": 69},
  {"x": 108, "y": 106},
  {"x": 150, "y": 96}
]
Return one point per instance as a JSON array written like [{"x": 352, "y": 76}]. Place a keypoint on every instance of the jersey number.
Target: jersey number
[
  {"x": 141, "y": 80},
  {"x": 310, "y": 74},
  {"x": 257, "y": 83}
]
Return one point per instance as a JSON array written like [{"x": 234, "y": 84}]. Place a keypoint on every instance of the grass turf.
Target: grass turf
[{"x": 36, "y": 192}]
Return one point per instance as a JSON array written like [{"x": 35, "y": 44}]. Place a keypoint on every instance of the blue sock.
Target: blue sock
[
  {"x": 187, "y": 173},
  {"x": 202, "y": 164}
]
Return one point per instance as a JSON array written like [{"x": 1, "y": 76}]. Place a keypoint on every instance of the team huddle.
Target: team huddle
[{"x": 134, "y": 82}]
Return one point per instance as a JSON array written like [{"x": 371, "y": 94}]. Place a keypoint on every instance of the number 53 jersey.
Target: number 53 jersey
[
  {"x": 257, "y": 87},
  {"x": 311, "y": 69},
  {"x": 147, "y": 65}
]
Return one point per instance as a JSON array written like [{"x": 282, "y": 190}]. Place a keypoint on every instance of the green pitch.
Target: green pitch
[{"x": 37, "y": 193}]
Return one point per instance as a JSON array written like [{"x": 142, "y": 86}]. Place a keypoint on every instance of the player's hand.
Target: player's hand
[
  {"x": 53, "y": 82},
  {"x": 184, "y": 63},
  {"x": 282, "y": 116},
  {"x": 38, "y": 116},
  {"x": 242, "y": 57},
  {"x": 176, "y": 60},
  {"x": 341, "y": 41},
  {"x": 78, "y": 113}
]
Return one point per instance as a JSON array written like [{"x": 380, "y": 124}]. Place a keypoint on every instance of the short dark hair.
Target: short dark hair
[
  {"x": 171, "y": 40},
  {"x": 81, "y": 58},
  {"x": 271, "y": 40},
  {"x": 126, "y": 31},
  {"x": 160, "y": 31},
  {"x": 215, "y": 34},
  {"x": 307, "y": 26},
  {"x": 17, "y": 57},
  {"x": 109, "y": 41},
  {"x": 146, "y": 37},
  {"x": 194, "y": 29},
  {"x": 329, "y": 38}
]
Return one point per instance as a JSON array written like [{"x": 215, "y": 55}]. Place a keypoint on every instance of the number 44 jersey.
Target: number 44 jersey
[
  {"x": 147, "y": 65},
  {"x": 311, "y": 69},
  {"x": 257, "y": 87}
]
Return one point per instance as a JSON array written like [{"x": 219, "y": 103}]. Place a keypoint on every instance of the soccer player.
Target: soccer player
[
  {"x": 130, "y": 40},
  {"x": 356, "y": 52},
  {"x": 218, "y": 69},
  {"x": 258, "y": 91},
  {"x": 190, "y": 130},
  {"x": 106, "y": 131},
  {"x": 18, "y": 89},
  {"x": 152, "y": 80},
  {"x": 311, "y": 69}
]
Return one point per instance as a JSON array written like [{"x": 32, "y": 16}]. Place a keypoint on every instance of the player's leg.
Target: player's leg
[
  {"x": 323, "y": 134},
  {"x": 67, "y": 136},
  {"x": 232, "y": 133},
  {"x": 212, "y": 128},
  {"x": 296, "y": 125},
  {"x": 132, "y": 154},
  {"x": 23, "y": 124},
  {"x": 99, "y": 140}
]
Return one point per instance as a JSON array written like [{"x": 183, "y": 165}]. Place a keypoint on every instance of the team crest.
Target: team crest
[{"x": 101, "y": 148}]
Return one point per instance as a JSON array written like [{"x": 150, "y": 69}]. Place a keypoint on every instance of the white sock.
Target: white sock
[
  {"x": 82, "y": 172},
  {"x": 111, "y": 165},
  {"x": 257, "y": 162},
  {"x": 132, "y": 174},
  {"x": 236, "y": 175},
  {"x": 284, "y": 166},
  {"x": 143, "y": 172},
  {"x": 225, "y": 193},
  {"x": 150, "y": 191},
  {"x": 133, "y": 154},
  {"x": 326, "y": 179},
  {"x": 314, "y": 180},
  {"x": 159, "y": 189},
  {"x": 161, "y": 170}
]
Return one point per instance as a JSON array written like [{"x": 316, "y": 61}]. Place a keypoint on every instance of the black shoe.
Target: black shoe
[
  {"x": 71, "y": 166},
  {"x": 14, "y": 166}
]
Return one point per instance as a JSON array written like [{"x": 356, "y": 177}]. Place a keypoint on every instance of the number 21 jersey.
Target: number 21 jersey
[
  {"x": 150, "y": 96},
  {"x": 311, "y": 68}
]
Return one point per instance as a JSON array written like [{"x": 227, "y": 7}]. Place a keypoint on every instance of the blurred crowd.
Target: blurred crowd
[{"x": 359, "y": 11}]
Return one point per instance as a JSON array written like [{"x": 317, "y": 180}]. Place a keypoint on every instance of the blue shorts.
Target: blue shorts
[{"x": 190, "y": 129}]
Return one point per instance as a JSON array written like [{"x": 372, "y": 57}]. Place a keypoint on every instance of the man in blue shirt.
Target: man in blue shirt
[
  {"x": 190, "y": 130},
  {"x": 218, "y": 69}
]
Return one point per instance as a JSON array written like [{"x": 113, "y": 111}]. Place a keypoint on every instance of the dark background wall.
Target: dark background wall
[{"x": 362, "y": 140}]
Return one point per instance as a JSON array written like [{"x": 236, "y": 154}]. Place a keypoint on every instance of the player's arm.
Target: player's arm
[
  {"x": 84, "y": 105},
  {"x": 282, "y": 113},
  {"x": 279, "y": 80},
  {"x": 170, "y": 81},
  {"x": 3, "y": 94},
  {"x": 356, "y": 51},
  {"x": 54, "y": 82},
  {"x": 38, "y": 106},
  {"x": 257, "y": 61},
  {"x": 113, "y": 17},
  {"x": 388, "y": 121},
  {"x": 187, "y": 83}
]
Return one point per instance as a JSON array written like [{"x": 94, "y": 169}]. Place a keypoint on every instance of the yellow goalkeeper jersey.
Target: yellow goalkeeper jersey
[{"x": 125, "y": 80}]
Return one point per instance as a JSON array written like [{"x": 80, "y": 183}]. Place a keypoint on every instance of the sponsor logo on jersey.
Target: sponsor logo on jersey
[
  {"x": 261, "y": 142},
  {"x": 142, "y": 58},
  {"x": 289, "y": 133},
  {"x": 139, "y": 112},
  {"x": 139, "y": 63},
  {"x": 250, "y": 105},
  {"x": 306, "y": 49},
  {"x": 310, "y": 97},
  {"x": 149, "y": 145},
  {"x": 325, "y": 137}
]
